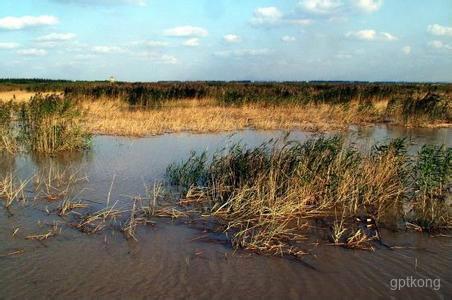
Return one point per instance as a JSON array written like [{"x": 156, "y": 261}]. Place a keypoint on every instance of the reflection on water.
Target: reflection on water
[{"x": 170, "y": 262}]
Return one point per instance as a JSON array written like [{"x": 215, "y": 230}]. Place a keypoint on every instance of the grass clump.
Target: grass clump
[
  {"x": 417, "y": 109},
  {"x": 51, "y": 124},
  {"x": 432, "y": 187},
  {"x": 7, "y": 140},
  {"x": 269, "y": 196}
]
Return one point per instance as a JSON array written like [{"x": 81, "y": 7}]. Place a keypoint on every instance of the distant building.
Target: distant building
[{"x": 112, "y": 79}]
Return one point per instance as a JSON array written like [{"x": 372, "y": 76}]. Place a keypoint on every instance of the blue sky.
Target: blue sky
[{"x": 150, "y": 40}]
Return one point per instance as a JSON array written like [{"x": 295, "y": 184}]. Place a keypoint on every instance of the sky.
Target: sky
[{"x": 265, "y": 40}]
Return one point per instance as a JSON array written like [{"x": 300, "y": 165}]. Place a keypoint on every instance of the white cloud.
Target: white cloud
[
  {"x": 272, "y": 16},
  {"x": 193, "y": 42},
  {"x": 6, "y": 46},
  {"x": 155, "y": 44},
  {"x": 266, "y": 16},
  {"x": 303, "y": 22},
  {"x": 242, "y": 52},
  {"x": 84, "y": 56},
  {"x": 439, "y": 45},
  {"x": 322, "y": 7},
  {"x": 167, "y": 59},
  {"x": 231, "y": 38},
  {"x": 437, "y": 29},
  {"x": 368, "y": 6},
  {"x": 108, "y": 49},
  {"x": 406, "y": 50},
  {"x": 157, "y": 57},
  {"x": 385, "y": 36},
  {"x": 371, "y": 35},
  {"x": 288, "y": 39},
  {"x": 367, "y": 34},
  {"x": 103, "y": 2},
  {"x": 16, "y": 23},
  {"x": 186, "y": 31},
  {"x": 436, "y": 44},
  {"x": 56, "y": 37},
  {"x": 137, "y": 2},
  {"x": 32, "y": 52}
]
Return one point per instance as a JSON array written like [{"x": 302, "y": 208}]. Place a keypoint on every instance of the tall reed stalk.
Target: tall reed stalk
[
  {"x": 7, "y": 139},
  {"x": 51, "y": 124}
]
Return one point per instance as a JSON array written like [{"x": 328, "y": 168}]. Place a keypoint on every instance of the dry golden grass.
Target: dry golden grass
[
  {"x": 115, "y": 117},
  {"x": 18, "y": 96}
]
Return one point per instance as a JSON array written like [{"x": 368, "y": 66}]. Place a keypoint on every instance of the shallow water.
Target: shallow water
[{"x": 177, "y": 261}]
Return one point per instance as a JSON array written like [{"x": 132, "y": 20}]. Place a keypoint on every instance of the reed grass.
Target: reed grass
[
  {"x": 7, "y": 140},
  {"x": 269, "y": 196},
  {"x": 111, "y": 113},
  {"x": 54, "y": 231},
  {"x": 51, "y": 124},
  {"x": 432, "y": 187},
  {"x": 204, "y": 115},
  {"x": 55, "y": 183},
  {"x": 67, "y": 206},
  {"x": 12, "y": 189}
]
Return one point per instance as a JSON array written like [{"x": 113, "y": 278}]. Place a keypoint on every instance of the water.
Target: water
[{"x": 178, "y": 261}]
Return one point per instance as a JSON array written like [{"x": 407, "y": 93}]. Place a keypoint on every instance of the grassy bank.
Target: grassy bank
[
  {"x": 117, "y": 117},
  {"x": 271, "y": 197},
  {"x": 314, "y": 103},
  {"x": 140, "y": 109}
]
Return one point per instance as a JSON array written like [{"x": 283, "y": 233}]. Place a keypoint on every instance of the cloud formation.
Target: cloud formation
[
  {"x": 193, "y": 42},
  {"x": 266, "y": 16},
  {"x": 322, "y": 7},
  {"x": 288, "y": 39},
  {"x": 56, "y": 37},
  {"x": 272, "y": 16},
  {"x": 368, "y": 6},
  {"x": 370, "y": 35},
  {"x": 155, "y": 44},
  {"x": 437, "y": 29},
  {"x": 242, "y": 52},
  {"x": 8, "y": 45},
  {"x": 439, "y": 45},
  {"x": 17, "y": 23},
  {"x": 32, "y": 52},
  {"x": 103, "y": 2},
  {"x": 186, "y": 31},
  {"x": 333, "y": 7},
  {"x": 108, "y": 49},
  {"x": 157, "y": 57},
  {"x": 231, "y": 38},
  {"x": 302, "y": 22},
  {"x": 406, "y": 50}
]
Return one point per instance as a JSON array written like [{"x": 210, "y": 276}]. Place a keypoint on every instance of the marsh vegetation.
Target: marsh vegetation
[
  {"x": 270, "y": 196},
  {"x": 284, "y": 197},
  {"x": 141, "y": 109},
  {"x": 115, "y": 205},
  {"x": 44, "y": 124}
]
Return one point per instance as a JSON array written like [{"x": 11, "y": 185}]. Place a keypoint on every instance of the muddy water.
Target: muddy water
[{"x": 179, "y": 261}]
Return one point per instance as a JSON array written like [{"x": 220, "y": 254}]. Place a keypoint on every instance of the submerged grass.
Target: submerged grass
[
  {"x": 269, "y": 196},
  {"x": 12, "y": 189}
]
